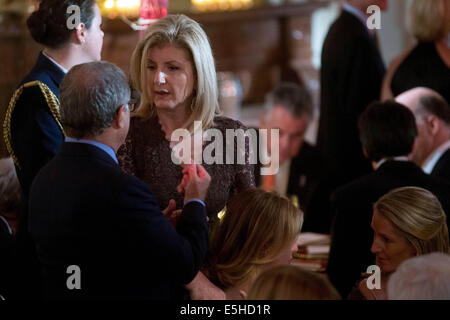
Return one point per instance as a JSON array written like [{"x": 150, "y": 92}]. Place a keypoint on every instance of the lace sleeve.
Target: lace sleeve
[{"x": 126, "y": 156}]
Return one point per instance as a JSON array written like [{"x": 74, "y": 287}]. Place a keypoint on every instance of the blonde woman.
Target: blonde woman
[
  {"x": 173, "y": 69},
  {"x": 427, "y": 64},
  {"x": 407, "y": 222},
  {"x": 291, "y": 283},
  {"x": 259, "y": 230}
]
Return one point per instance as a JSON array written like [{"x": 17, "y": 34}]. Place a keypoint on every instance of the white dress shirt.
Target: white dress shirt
[
  {"x": 434, "y": 157},
  {"x": 401, "y": 158}
]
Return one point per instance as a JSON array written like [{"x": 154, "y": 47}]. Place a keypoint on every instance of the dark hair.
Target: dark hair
[
  {"x": 436, "y": 106},
  {"x": 387, "y": 129},
  {"x": 296, "y": 99},
  {"x": 48, "y": 25}
]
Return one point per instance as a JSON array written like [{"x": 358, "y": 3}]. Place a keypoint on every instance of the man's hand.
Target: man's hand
[
  {"x": 171, "y": 213},
  {"x": 202, "y": 289},
  {"x": 195, "y": 182}
]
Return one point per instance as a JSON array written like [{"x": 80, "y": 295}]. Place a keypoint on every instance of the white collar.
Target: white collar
[
  {"x": 434, "y": 157},
  {"x": 356, "y": 12},
  {"x": 56, "y": 63},
  {"x": 401, "y": 158}
]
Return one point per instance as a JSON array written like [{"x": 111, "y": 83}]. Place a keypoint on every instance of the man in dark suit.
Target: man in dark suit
[
  {"x": 289, "y": 109},
  {"x": 387, "y": 133},
  {"x": 352, "y": 71},
  {"x": 98, "y": 231},
  {"x": 432, "y": 148}
]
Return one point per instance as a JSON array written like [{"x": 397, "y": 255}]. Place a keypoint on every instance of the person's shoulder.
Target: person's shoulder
[
  {"x": 347, "y": 26},
  {"x": 140, "y": 126},
  {"x": 397, "y": 61},
  {"x": 358, "y": 189},
  {"x": 130, "y": 181},
  {"x": 438, "y": 184}
]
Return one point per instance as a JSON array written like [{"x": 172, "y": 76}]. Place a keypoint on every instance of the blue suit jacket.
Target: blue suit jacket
[{"x": 85, "y": 211}]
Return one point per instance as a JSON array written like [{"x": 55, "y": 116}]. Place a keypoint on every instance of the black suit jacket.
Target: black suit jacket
[
  {"x": 304, "y": 175},
  {"x": 352, "y": 205},
  {"x": 85, "y": 211},
  {"x": 351, "y": 76},
  {"x": 442, "y": 167}
]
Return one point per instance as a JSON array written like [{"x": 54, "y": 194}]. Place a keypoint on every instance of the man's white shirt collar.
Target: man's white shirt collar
[
  {"x": 434, "y": 157},
  {"x": 401, "y": 158},
  {"x": 56, "y": 63}
]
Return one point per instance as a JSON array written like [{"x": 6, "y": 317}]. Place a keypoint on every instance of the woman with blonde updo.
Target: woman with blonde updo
[
  {"x": 407, "y": 222},
  {"x": 259, "y": 230}
]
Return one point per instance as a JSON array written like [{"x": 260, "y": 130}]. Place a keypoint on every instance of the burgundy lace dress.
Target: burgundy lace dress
[{"x": 146, "y": 154}]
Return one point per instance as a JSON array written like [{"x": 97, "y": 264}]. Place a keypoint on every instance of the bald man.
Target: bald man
[{"x": 432, "y": 146}]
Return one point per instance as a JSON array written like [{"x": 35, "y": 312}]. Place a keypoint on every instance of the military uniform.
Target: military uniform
[
  {"x": 32, "y": 130},
  {"x": 33, "y": 135}
]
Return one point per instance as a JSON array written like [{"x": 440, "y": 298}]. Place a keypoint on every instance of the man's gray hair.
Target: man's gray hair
[
  {"x": 425, "y": 277},
  {"x": 294, "y": 98},
  {"x": 90, "y": 95},
  {"x": 433, "y": 104}
]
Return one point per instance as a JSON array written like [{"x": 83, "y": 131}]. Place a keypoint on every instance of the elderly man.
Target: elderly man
[
  {"x": 289, "y": 109},
  {"x": 99, "y": 232},
  {"x": 432, "y": 147}
]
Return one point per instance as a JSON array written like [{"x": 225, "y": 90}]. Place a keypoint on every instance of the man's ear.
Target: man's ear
[
  {"x": 433, "y": 124},
  {"x": 122, "y": 117},
  {"x": 80, "y": 33}
]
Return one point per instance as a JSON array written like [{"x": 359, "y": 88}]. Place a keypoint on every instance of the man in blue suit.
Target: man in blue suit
[{"x": 99, "y": 232}]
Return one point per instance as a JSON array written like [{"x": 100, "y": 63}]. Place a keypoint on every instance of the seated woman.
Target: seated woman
[
  {"x": 173, "y": 69},
  {"x": 259, "y": 230},
  {"x": 427, "y": 64},
  {"x": 291, "y": 283},
  {"x": 407, "y": 222}
]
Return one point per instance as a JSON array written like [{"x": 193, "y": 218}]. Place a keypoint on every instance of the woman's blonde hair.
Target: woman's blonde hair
[
  {"x": 256, "y": 228},
  {"x": 183, "y": 32},
  {"x": 291, "y": 283},
  {"x": 418, "y": 216},
  {"x": 428, "y": 21}
]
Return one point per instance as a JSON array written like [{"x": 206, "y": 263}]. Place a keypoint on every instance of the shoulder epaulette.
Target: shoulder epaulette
[{"x": 52, "y": 103}]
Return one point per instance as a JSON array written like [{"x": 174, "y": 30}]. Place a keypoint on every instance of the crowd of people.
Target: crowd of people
[{"x": 103, "y": 198}]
